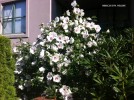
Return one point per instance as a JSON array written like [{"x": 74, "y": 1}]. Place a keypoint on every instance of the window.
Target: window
[{"x": 14, "y": 18}]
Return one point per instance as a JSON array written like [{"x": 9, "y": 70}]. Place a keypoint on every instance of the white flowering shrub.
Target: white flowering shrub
[{"x": 59, "y": 62}]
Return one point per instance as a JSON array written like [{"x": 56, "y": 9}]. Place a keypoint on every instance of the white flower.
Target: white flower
[
  {"x": 94, "y": 52},
  {"x": 69, "y": 50},
  {"x": 64, "y": 72},
  {"x": 42, "y": 43},
  {"x": 42, "y": 29},
  {"x": 71, "y": 40},
  {"x": 40, "y": 79},
  {"x": 76, "y": 11},
  {"x": 18, "y": 71},
  {"x": 74, "y": 3},
  {"x": 33, "y": 63},
  {"x": 85, "y": 34},
  {"x": 71, "y": 23},
  {"x": 56, "y": 78},
  {"x": 69, "y": 97},
  {"x": 54, "y": 24},
  {"x": 21, "y": 87},
  {"x": 81, "y": 55},
  {"x": 34, "y": 43},
  {"x": 53, "y": 69},
  {"x": 15, "y": 50},
  {"x": 65, "y": 59},
  {"x": 82, "y": 12},
  {"x": 48, "y": 54},
  {"x": 77, "y": 30},
  {"x": 66, "y": 62},
  {"x": 65, "y": 90},
  {"x": 65, "y": 26},
  {"x": 54, "y": 47},
  {"x": 76, "y": 22},
  {"x": 90, "y": 53},
  {"x": 19, "y": 62},
  {"x": 84, "y": 47},
  {"x": 66, "y": 31},
  {"x": 19, "y": 99},
  {"x": 90, "y": 25},
  {"x": 108, "y": 31},
  {"x": 42, "y": 69},
  {"x": 62, "y": 17},
  {"x": 68, "y": 13},
  {"x": 24, "y": 43},
  {"x": 82, "y": 27},
  {"x": 59, "y": 65},
  {"x": 80, "y": 20},
  {"x": 32, "y": 50},
  {"x": 51, "y": 63},
  {"x": 97, "y": 28},
  {"x": 60, "y": 38},
  {"x": 20, "y": 59},
  {"x": 94, "y": 43},
  {"x": 65, "y": 19},
  {"x": 51, "y": 36},
  {"x": 48, "y": 46},
  {"x": 93, "y": 35},
  {"x": 42, "y": 53},
  {"x": 39, "y": 36},
  {"x": 90, "y": 44},
  {"x": 89, "y": 18},
  {"x": 57, "y": 19},
  {"x": 66, "y": 39},
  {"x": 56, "y": 57},
  {"x": 87, "y": 24},
  {"x": 60, "y": 45},
  {"x": 49, "y": 76}
]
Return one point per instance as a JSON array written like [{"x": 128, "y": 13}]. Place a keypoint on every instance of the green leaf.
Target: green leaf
[
  {"x": 93, "y": 94},
  {"x": 98, "y": 81},
  {"x": 116, "y": 89},
  {"x": 108, "y": 55},
  {"x": 117, "y": 71},
  {"x": 116, "y": 78}
]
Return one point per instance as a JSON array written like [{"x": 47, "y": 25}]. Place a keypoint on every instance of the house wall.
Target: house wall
[{"x": 37, "y": 12}]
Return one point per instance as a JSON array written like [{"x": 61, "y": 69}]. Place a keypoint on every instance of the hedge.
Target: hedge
[{"x": 7, "y": 89}]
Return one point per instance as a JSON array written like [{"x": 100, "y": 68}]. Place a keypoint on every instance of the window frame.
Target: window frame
[
  {"x": 13, "y": 19},
  {"x": 21, "y": 35}
]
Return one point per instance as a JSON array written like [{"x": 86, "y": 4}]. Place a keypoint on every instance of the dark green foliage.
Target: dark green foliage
[
  {"x": 7, "y": 90},
  {"x": 114, "y": 70}
]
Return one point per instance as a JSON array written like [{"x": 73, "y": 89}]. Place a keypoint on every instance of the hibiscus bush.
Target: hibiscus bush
[{"x": 59, "y": 61}]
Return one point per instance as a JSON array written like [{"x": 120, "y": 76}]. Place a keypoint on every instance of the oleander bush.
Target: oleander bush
[
  {"x": 114, "y": 71},
  {"x": 7, "y": 67}
]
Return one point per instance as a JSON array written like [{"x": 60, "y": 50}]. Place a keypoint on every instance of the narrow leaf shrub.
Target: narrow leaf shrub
[
  {"x": 7, "y": 90},
  {"x": 114, "y": 71}
]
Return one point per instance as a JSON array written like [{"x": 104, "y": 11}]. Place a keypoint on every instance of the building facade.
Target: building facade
[{"x": 21, "y": 18}]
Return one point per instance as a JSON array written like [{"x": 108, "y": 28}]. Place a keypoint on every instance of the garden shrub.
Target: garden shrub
[
  {"x": 71, "y": 59},
  {"x": 114, "y": 70},
  {"x": 58, "y": 62},
  {"x": 7, "y": 89}
]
